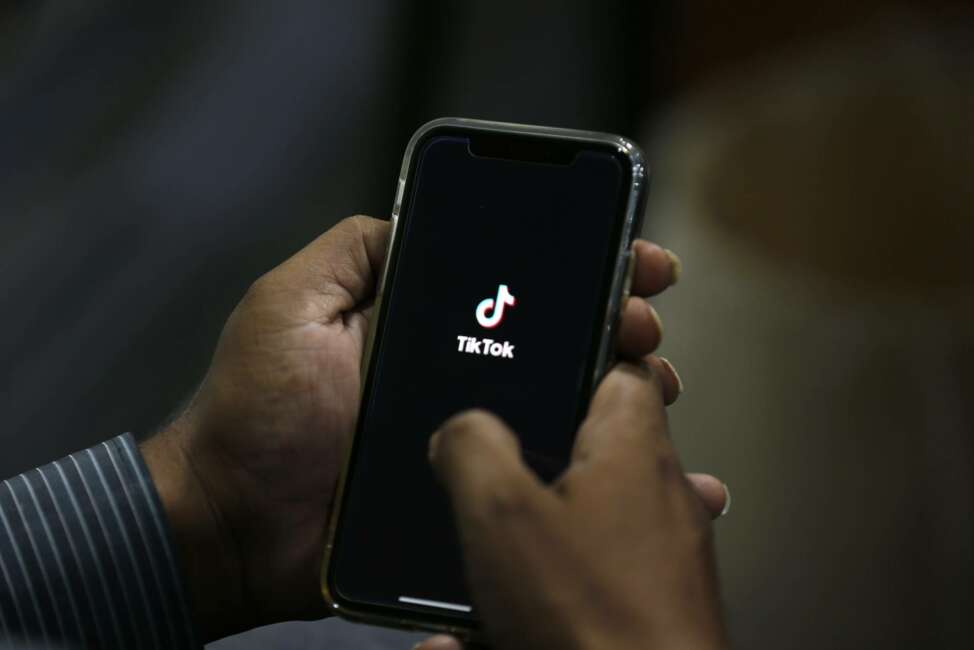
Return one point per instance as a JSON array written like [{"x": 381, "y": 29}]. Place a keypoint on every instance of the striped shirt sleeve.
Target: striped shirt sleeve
[{"x": 85, "y": 556}]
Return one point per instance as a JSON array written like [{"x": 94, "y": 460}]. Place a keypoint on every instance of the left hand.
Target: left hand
[{"x": 247, "y": 474}]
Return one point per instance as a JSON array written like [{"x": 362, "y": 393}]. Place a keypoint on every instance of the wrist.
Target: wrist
[{"x": 204, "y": 545}]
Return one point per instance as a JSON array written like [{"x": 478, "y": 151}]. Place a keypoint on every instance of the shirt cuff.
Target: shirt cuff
[{"x": 86, "y": 558}]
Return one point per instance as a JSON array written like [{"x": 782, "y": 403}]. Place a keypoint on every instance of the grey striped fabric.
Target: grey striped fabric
[{"x": 85, "y": 558}]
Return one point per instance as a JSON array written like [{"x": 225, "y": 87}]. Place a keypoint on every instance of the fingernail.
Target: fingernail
[
  {"x": 672, "y": 368},
  {"x": 727, "y": 501},
  {"x": 659, "y": 321},
  {"x": 676, "y": 265}
]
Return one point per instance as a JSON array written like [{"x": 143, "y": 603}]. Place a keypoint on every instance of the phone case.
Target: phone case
[{"x": 621, "y": 278}]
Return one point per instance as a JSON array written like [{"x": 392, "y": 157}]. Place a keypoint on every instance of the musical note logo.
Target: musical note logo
[{"x": 495, "y": 307}]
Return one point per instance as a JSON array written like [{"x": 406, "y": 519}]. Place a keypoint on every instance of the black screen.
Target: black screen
[{"x": 549, "y": 232}]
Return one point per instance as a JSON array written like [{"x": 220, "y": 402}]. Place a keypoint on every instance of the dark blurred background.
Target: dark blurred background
[
  {"x": 812, "y": 166},
  {"x": 155, "y": 160}
]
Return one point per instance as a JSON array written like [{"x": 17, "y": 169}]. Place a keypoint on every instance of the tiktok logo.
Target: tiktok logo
[
  {"x": 490, "y": 313},
  {"x": 495, "y": 307}
]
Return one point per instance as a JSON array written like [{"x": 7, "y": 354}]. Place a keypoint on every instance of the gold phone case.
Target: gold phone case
[{"x": 622, "y": 276}]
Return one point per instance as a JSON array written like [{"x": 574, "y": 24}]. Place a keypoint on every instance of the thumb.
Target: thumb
[{"x": 340, "y": 268}]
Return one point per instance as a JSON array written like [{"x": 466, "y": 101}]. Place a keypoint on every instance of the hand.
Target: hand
[
  {"x": 247, "y": 474},
  {"x": 616, "y": 555}
]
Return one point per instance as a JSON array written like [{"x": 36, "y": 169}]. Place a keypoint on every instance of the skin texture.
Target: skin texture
[
  {"x": 247, "y": 473},
  {"x": 617, "y": 554}
]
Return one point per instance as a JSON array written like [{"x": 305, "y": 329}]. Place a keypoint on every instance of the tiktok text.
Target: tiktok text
[{"x": 485, "y": 347}]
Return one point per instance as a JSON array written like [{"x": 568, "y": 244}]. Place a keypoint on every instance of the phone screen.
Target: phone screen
[{"x": 495, "y": 297}]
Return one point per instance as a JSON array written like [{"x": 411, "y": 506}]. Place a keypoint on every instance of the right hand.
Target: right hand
[{"x": 617, "y": 554}]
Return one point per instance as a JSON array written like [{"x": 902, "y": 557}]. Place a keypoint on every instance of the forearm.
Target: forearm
[{"x": 85, "y": 555}]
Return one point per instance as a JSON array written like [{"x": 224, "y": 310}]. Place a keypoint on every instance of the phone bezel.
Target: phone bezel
[{"x": 631, "y": 221}]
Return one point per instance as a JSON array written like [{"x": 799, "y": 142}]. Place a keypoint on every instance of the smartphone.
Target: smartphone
[{"x": 508, "y": 262}]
